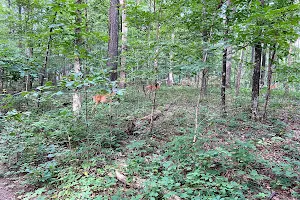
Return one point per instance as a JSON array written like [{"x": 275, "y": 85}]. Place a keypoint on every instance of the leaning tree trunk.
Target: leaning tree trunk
[
  {"x": 77, "y": 65},
  {"x": 113, "y": 39},
  {"x": 228, "y": 66},
  {"x": 269, "y": 82},
  {"x": 255, "y": 81},
  {"x": 239, "y": 74},
  {"x": 124, "y": 44}
]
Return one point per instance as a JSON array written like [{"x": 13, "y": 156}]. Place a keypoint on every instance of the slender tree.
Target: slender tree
[
  {"x": 289, "y": 64},
  {"x": 256, "y": 73},
  {"x": 113, "y": 42},
  {"x": 255, "y": 81},
  {"x": 124, "y": 44},
  {"x": 224, "y": 63},
  {"x": 77, "y": 62},
  {"x": 1, "y": 79},
  {"x": 204, "y": 78},
  {"x": 228, "y": 66},
  {"x": 170, "y": 79},
  {"x": 263, "y": 67},
  {"x": 223, "y": 84},
  {"x": 239, "y": 73},
  {"x": 47, "y": 53},
  {"x": 269, "y": 81}
]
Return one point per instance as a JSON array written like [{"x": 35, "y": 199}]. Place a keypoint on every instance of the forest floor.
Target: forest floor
[
  {"x": 7, "y": 189},
  {"x": 104, "y": 156},
  {"x": 5, "y": 192}
]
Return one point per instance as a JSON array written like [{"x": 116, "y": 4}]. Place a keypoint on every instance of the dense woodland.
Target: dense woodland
[{"x": 150, "y": 99}]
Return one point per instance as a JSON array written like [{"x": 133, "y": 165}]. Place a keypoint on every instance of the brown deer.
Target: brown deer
[
  {"x": 103, "y": 98},
  {"x": 151, "y": 88},
  {"x": 274, "y": 86}
]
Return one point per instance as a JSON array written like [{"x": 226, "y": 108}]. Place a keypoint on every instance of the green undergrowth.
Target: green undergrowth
[{"x": 232, "y": 157}]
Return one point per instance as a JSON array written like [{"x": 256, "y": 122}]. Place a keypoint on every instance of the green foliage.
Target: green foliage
[{"x": 64, "y": 156}]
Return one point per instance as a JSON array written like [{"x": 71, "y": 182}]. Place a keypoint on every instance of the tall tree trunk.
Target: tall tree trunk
[
  {"x": 255, "y": 81},
  {"x": 1, "y": 79},
  {"x": 20, "y": 30},
  {"x": 157, "y": 39},
  {"x": 223, "y": 86},
  {"x": 205, "y": 71},
  {"x": 77, "y": 96},
  {"x": 170, "y": 79},
  {"x": 269, "y": 81},
  {"x": 239, "y": 74},
  {"x": 204, "y": 80},
  {"x": 228, "y": 66},
  {"x": 252, "y": 55},
  {"x": 113, "y": 39},
  {"x": 263, "y": 67},
  {"x": 256, "y": 75},
  {"x": 28, "y": 78},
  {"x": 2, "y": 71},
  {"x": 77, "y": 64},
  {"x": 46, "y": 59},
  {"x": 289, "y": 62},
  {"x": 224, "y": 64},
  {"x": 124, "y": 44}
]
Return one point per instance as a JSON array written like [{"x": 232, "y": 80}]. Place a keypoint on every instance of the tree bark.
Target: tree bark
[
  {"x": 20, "y": 31},
  {"x": 113, "y": 39},
  {"x": 170, "y": 79},
  {"x": 46, "y": 59},
  {"x": 77, "y": 64},
  {"x": 263, "y": 68},
  {"x": 204, "y": 80},
  {"x": 157, "y": 39},
  {"x": 224, "y": 65},
  {"x": 76, "y": 96},
  {"x": 223, "y": 86},
  {"x": 124, "y": 44},
  {"x": 239, "y": 74},
  {"x": 289, "y": 62},
  {"x": 228, "y": 66},
  {"x": 253, "y": 55},
  {"x": 1, "y": 79},
  {"x": 205, "y": 71},
  {"x": 269, "y": 81},
  {"x": 28, "y": 78},
  {"x": 255, "y": 81}
]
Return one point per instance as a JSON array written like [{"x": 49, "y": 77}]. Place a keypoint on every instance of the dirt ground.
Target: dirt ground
[{"x": 5, "y": 192}]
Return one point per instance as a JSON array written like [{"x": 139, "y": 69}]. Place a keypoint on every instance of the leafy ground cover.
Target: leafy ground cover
[{"x": 96, "y": 157}]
